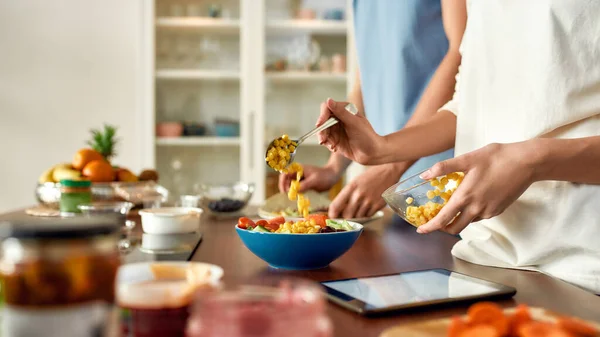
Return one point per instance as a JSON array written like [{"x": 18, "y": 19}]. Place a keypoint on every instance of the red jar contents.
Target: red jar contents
[{"x": 155, "y": 298}]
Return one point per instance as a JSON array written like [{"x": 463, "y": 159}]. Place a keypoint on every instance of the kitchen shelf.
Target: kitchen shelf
[
  {"x": 198, "y": 141},
  {"x": 185, "y": 74},
  {"x": 204, "y": 24},
  {"x": 301, "y": 76},
  {"x": 323, "y": 27}
]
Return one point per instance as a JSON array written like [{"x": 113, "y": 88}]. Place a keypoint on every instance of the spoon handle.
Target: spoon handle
[{"x": 328, "y": 123}]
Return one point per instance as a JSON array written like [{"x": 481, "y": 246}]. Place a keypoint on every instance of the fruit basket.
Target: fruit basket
[
  {"x": 110, "y": 182},
  {"x": 48, "y": 194}
]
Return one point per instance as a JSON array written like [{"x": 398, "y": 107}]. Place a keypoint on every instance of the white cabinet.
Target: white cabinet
[{"x": 202, "y": 70}]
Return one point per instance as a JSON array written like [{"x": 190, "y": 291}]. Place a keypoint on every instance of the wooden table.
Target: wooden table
[{"x": 388, "y": 246}]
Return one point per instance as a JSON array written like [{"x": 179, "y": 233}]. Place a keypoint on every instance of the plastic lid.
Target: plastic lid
[
  {"x": 58, "y": 228},
  {"x": 75, "y": 183}
]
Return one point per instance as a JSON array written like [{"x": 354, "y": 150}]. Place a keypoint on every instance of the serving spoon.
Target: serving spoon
[{"x": 328, "y": 123}]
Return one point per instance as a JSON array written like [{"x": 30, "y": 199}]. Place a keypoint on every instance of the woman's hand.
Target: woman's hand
[
  {"x": 316, "y": 178},
  {"x": 495, "y": 176},
  {"x": 353, "y": 136}
]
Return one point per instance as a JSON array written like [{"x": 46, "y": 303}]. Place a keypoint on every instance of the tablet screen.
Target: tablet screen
[{"x": 408, "y": 288}]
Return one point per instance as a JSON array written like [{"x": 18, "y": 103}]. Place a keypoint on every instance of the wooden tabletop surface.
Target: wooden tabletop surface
[
  {"x": 389, "y": 246},
  {"x": 386, "y": 246}
]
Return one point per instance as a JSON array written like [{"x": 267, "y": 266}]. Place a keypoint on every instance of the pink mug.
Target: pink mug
[
  {"x": 307, "y": 14},
  {"x": 169, "y": 129}
]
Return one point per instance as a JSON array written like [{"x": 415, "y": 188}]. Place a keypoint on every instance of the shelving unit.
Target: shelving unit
[
  {"x": 199, "y": 141},
  {"x": 201, "y": 69},
  {"x": 192, "y": 74},
  {"x": 324, "y": 27},
  {"x": 210, "y": 25},
  {"x": 304, "y": 76}
]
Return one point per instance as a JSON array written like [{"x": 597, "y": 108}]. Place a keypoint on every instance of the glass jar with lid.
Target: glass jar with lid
[
  {"x": 58, "y": 276},
  {"x": 74, "y": 193}
]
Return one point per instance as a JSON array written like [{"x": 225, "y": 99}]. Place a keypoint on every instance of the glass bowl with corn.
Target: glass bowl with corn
[{"x": 417, "y": 201}]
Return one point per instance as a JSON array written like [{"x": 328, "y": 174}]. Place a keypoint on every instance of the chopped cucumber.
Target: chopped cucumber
[
  {"x": 347, "y": 226},
  {"x": 344, "y": 225},
  {"x": 261, "y": 229},
  {"x": 333, "y": 224}
]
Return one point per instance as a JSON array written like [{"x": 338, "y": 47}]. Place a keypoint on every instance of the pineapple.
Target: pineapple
[{"x": 104, "y": 141}]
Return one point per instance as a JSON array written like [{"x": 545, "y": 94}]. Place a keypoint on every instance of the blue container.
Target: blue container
[
  {"x": 299, "y": 251},
  {"x": 227, "y": 129},
  {"x": 334, "y": 14}
]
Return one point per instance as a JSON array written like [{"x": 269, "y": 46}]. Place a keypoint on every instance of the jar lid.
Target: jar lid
[
  {"x": 75, "y": 183},
  {"x": 58, "y": 228}
]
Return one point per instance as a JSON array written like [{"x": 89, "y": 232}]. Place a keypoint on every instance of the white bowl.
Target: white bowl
[
  {"x": 173, "y": 290},
  {"x": 169, "y": 242},
  {"x": 171, "y": 220}
]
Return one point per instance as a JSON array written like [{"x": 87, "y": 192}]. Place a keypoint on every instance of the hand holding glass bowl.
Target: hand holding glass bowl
[{"x": 417, "y": 201}]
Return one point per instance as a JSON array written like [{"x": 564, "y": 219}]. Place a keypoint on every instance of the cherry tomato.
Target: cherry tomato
[
  {"x": 262, "y": 222},
  {"x": 277, "y": 221},
  {"x": 271, "y": 226},
  {"x": 244, "y": 223},
  {"x": 320, "y": 219}
]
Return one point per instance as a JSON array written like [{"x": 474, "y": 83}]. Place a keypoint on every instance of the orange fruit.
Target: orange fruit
[
  {"x": 84, "y": 157},
  {"x": 126, "y": 176},
  {"x": 99, "y": 171}
]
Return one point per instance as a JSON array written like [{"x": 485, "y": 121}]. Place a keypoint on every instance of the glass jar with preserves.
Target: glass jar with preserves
[
  {"x": 74, "y": 193},
  {"x": 57, "y": 276},
  {"x": 270, "y": 307}
]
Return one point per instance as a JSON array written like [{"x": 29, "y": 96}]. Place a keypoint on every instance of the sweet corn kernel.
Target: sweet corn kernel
[
  {"x": 420, "y": 215},
  {"x": 279, "y": 153},
  {"x": 409, "y": 200},
  {"x": 430, "y": 194}
]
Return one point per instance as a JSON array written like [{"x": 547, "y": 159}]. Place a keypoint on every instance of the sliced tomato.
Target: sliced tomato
[
  {"x": 320, "y": 219},
  {"x": 244, "y": 223},
  {"x": 277, "y": 221}
]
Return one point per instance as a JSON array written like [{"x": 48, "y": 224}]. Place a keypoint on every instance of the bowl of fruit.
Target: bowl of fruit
[
  {"x": 95, "y": 164},
  {"x": 225, "y": 199}
]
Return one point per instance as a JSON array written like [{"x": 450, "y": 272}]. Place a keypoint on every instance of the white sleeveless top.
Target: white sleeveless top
[{"x": 532, "y": 69}]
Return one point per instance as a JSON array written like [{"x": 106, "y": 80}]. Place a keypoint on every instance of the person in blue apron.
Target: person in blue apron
[{"x": 407, "y": 60}]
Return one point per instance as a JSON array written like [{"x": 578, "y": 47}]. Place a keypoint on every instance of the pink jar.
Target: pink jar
[
  {"x": 169, "y": 129},
  {"x": 307, "y": 14},
  {"x": 339, "y": 63},
  {"x": 289, "y": 308}
]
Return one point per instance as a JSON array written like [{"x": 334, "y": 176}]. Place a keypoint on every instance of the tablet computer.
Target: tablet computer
[{"x": 410, "y": 290}]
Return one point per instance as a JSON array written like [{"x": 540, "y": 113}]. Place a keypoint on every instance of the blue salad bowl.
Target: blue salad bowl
[{"x": 300, "y": 251}]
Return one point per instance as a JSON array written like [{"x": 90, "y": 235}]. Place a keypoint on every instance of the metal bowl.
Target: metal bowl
[
  {"x": 233, "y": 197},
  {"x": 48, "y": 194}
]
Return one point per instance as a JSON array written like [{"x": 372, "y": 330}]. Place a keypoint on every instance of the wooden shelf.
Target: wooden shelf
[
  {"x": 183, "y": 74},
  {"x": 323, "y": 27},
  {"x": 306, "y": 76},
  {"x": 205, "y": 24},
  {"x": 198, "y": 141}
]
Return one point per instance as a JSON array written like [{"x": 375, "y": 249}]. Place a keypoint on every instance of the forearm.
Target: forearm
[
  {"x": 575, "y": 160},
  {"x": 439, "y": 90},
  {"x": 411, "y": 143},
  {"x": 337, "y": 162}
]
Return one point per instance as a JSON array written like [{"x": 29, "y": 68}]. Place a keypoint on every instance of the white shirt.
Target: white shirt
[{"x": 532, "y": 69}]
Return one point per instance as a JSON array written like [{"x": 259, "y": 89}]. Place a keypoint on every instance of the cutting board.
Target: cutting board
[{"x": 439, "y": 327}]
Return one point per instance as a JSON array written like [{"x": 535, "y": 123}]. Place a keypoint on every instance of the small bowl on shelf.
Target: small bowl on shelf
[
  {"x": 194, "y": 129},
  {"x": 169, "y": 129},
  {"x": 227, "y": 128},
  {"x": 225, "y": 199},
  {"x": 419, "y": 194}
]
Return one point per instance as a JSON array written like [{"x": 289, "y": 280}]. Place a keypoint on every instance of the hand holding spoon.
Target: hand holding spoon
[{"x": 280, "y": 160}]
